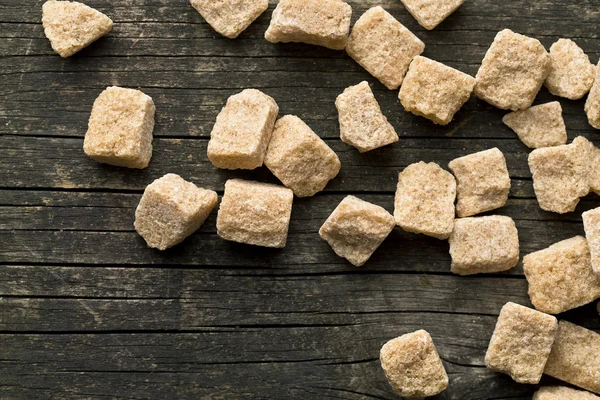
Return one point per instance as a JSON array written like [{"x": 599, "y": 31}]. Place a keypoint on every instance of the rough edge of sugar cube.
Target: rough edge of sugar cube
[
  {"x": 539, "y": 126},
  {"x": 591, "y": 224},
  {"x": 592, "y": 104}
]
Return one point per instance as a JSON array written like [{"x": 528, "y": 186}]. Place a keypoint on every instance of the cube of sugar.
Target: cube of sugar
[
  {"x": 230, "y": 17},
  {"x": 571, "y": 72},
  {"x": 171, "y": 209},
  {"x": 255, "y": 213},
  {"x": 425, "y": 200},
  {"x": 362, "y": 124},
  {"x": 594, "y": 171},
  {"x": 430, "y": 13},
  {"x": 562, "y": 393},
  {"x": 356, "y": 228},
  {"x": 591, "y": 224},
  {"x": 383, "y": 46},
  {"x": 513, "y": 71},
  {"x": 299, "y": 158},
  {"x": 243, "y": 130},
  {"x": 592, "y": 104},
  {"x": 120, "y": 128},
  {"x": 539, "y": 126}
]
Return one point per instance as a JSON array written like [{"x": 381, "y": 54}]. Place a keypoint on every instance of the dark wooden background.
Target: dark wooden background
[{"x": 88, "y": 312}]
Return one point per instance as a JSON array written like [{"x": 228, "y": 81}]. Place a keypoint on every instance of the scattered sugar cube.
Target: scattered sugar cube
[
  {"x": 230, "y": 17},
  {"x": 356, "y": 228},
  {"x": 571, "y": 72},
  {"x": 255, "y": 213},
  {"x": 483, "y": 182},
  {"x": 592, "y": 104},
  {"x": 484, "y": 245},
  {"x": 430, "y": 13},
  {"x": 171, "y": 209},
  {"x": 575, "y": 357},
  {"x": 120, "y": 128},
  {"x": 299, "y": 158},
  {"x": 425, "y": 200},
  {"x": 521, "y": 343},
  {"x": 320, "y": 22},
  {"x": 539, "y": 126},
  {"x": 513, "y": 71},
  {"x": 591, "y": 224},
  {"x": 362, "y": 124},
  {"x": 71, "y": 26},
  {"x": 383, "y": 46},
  {"x": 435, "y": 91},
  {"x": 562, "y": 393},
  {"x": 243, "y": 130},
  {"x": 413, "y": 366},
  {"x": 560, "y": 277},
  {"x": 594, "y": 171}
]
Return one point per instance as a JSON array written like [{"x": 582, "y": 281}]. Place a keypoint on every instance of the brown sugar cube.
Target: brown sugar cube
[
  {"x": 255, "y": 213},
  {"x": 539, "y": 126},
  {"x": 299, "y": 158},
  {"x": 356, "y": 228},
  {"x": 320, "y": 22},
  {"x": 575, "y": 357},
  {"x": 430, "y": 13},
  {"x": 591, "y": 224},
  {"x": 413, "y": 366},
  {"x": 571, "y": 72},
  {"x": 592, "y": 104},
  {"x": 513, "y": 71},
  {"x": 362, "y": 124},
  {"x": 71, "y": 26},
  {"x": 562, "y": 393},
  {"x": 594, "y": 171},
  {"x": 243, "y": 130},
  {"x": 383, "y": 46},
  {"x": 230, "y": 17},
  {"x": 560, "y": 277},
  {"x": 171, "y": 209},
  {"x": 435, "y": 91},
  {"x": 120, "y": 128},
  {"x": 425, "y": 200},
  {"x": 484, "y": 245},
  {"x": 483, "y": 182},
  {"x": 521, "y": 343}
]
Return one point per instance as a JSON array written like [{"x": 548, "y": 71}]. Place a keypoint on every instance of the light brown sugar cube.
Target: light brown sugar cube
[
  {"x": 575, "y": 357},
  {"x": 435, "y": 91},
  {"x": 413, "y": 366},
  {"x": 594, "y": 170},
  {"x": 299, "y": 158},
  {"x": 320, "y": 22},
  {"x": 243, "y": 130},
  {"x": 539, "y": 126},
  {"x": 356, "y": 228},
  {"x": 483, "y": 182},
  {"x": 513, "y": 71},
  {"x": 484, "y": 245},
  {"x": 591, "y": 224},
  {"x": 383, "y": 46},
  {"x": 592, "y": 104},
  {"x": 521, "y": 343},
  {"x": 362, "y": 124},
  {"x": 430, "y": 13},
  {"x": 560, "y": 277},
  {"x": 171, "y": 209},
  {"x": 562, "y": 393},
  {"x": 120, "y": 128},
  {"x": 425, "y": 200},
  {"x": 255, "y": 213},
  {"x": 571, "y": 72},
  {"x": 71, "y": 26},
  {"x": 230, "y": 17}
]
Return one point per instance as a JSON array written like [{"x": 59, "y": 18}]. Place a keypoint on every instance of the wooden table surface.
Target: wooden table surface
[{"x": 87, "y": 311}]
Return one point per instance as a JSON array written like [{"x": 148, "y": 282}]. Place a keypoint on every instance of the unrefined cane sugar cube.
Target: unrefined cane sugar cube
[
  {"x": 539, "y": 126},
  {"x": 560, "y": 277},
  {"x": 320, "y": 22},
  {"x": 513, "y": 71},
  {"x": 571, "y": 72},
  {"x": 425, "y": 200},
  {"x": 435, "y": 91},
  {"x": 591, "y": 224},
  {"x": 430, "y": 13},
  {"x": 230, "y": 17},
  {"x": 383, "y": 46},
  {"x": 171, "y": 209},
  {"x": 562, "y": 393},
  {"x": 362, "y": 124},
  {"x": 575, "y": 357},
  {"x": 521, "y": 343},
  {"x": 356, "y": 228},
  {"x": 592, "y": 104},
  {"x": 71, "y": 26},
  {"x": 243, "y": 130},
  {"x": 484, "y": 245},
  {"x": 120, "y": 128},
  {"x": 299, "y": 158},
  {"x": 483, "y": 182},
  {"x": 594, "y": 171},
  {"x": 255, "y": 213},
  {"x": 413, "y": 366}
]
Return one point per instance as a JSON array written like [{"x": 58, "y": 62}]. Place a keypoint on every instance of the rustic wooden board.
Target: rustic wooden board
[{"x": 88, "y": 312}]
